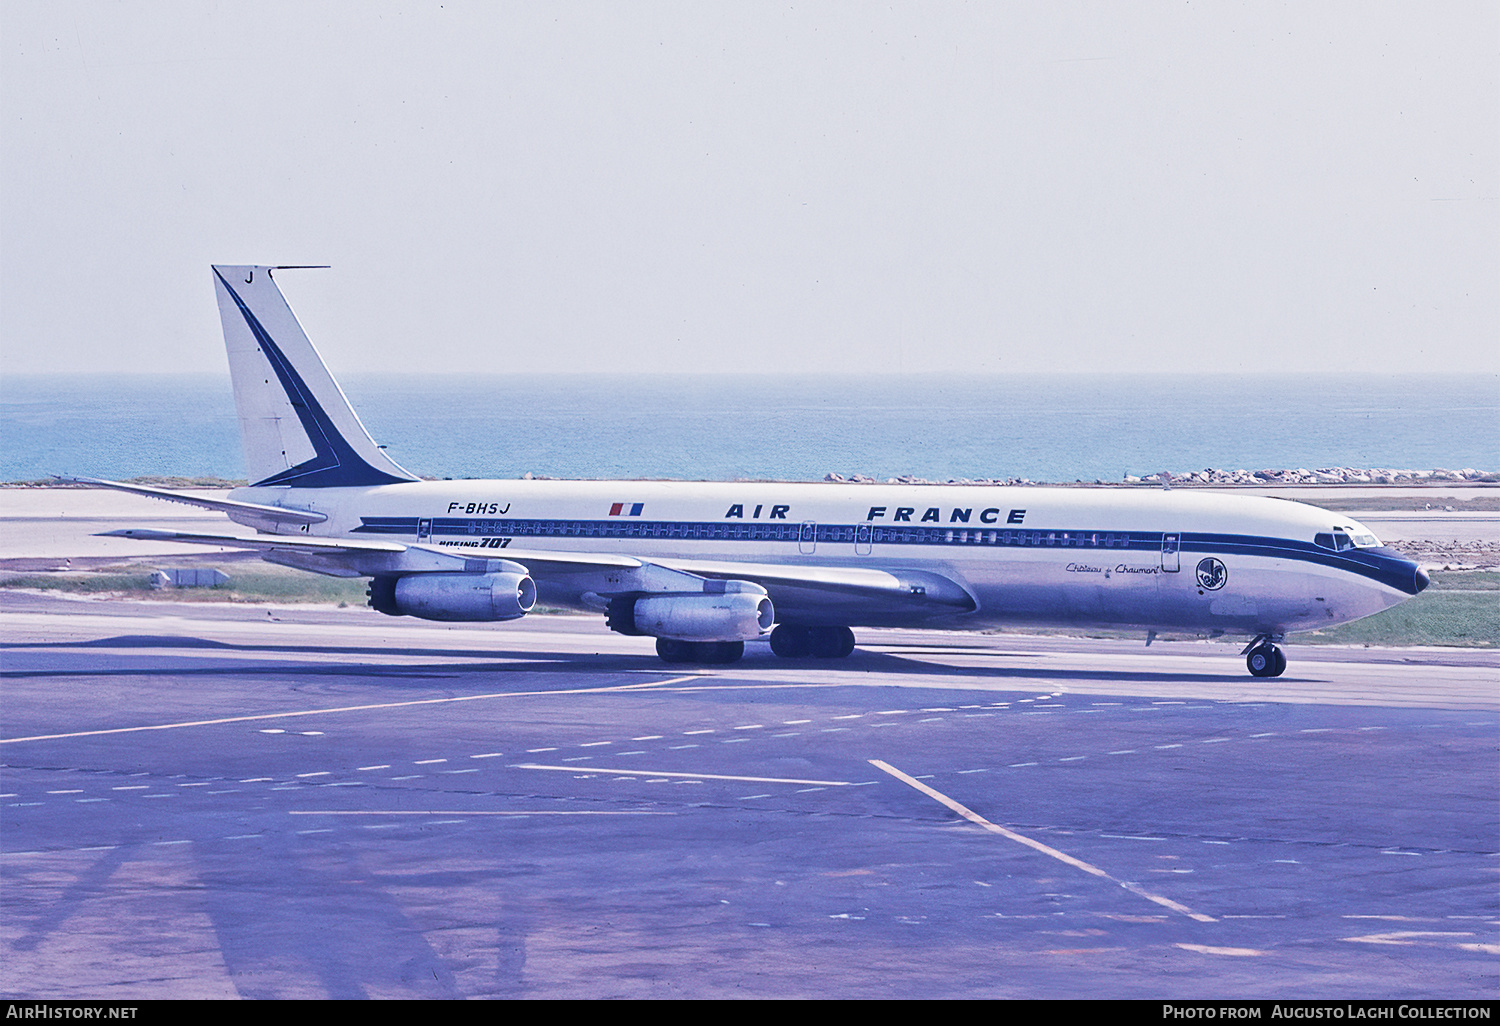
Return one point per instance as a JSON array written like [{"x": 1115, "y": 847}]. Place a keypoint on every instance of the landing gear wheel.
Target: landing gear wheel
[
  {"x": 718, "y": 652},
  {"x": 714, "y": 652},
  {"x": 1266, "y": 661},
  {"x": 830, "y": 642},
  {"x": 790, "y": 642},
  {"x": 670, "y": 650}
]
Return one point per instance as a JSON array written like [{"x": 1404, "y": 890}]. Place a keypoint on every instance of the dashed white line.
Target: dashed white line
[{"x": 691, "y": 776}]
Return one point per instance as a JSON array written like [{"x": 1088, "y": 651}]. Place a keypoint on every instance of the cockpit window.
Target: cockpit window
[{"x": 1341, "y": 539}]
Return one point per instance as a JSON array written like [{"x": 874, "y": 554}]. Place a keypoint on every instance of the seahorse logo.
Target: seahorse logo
[{"x": 1212, "y": 574}]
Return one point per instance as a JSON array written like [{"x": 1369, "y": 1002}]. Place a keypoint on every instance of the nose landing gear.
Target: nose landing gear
[{"x": 1264, "y": 658}]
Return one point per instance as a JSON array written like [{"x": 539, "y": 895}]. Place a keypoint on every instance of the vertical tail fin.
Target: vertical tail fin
[{"x": 297, "y": 426}]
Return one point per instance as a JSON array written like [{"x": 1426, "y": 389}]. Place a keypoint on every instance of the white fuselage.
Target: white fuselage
[{"x": 1098, "y": 557}]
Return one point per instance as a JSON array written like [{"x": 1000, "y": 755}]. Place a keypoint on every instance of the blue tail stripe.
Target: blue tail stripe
[{"x": 334, "y": 464}]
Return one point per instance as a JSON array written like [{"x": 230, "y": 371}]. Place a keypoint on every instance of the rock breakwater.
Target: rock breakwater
[{"x": 1211, "y": 477}]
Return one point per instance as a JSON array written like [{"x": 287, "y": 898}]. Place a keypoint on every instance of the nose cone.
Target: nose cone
[{"x": 1420, "y": 580}]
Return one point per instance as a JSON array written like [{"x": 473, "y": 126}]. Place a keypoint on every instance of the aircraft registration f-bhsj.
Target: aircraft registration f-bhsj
[{"x": 703, "y": 568}]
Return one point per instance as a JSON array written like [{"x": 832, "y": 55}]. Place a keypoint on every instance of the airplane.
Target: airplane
[{"x": 704, "y": 567}]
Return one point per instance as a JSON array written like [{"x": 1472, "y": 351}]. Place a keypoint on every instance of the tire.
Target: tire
[
  {"x": 1262, "y": 661},
  {"x": 830, "y": 642},
  {"x": 846, "y": 646},
  {"x": 1279, "y": 660},
  {"x": 789, "y": 642},
  {"x": 670, "y": 650},
  {"x": 718, "y": 652}
]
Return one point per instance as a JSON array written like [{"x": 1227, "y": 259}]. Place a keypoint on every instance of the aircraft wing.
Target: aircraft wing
[
  {"x": 836, "y": 595},
  {"x": 807, "y": 593}
]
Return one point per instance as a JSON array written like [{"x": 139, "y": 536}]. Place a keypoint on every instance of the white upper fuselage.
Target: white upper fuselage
[{"x": 1067, "y": 556}]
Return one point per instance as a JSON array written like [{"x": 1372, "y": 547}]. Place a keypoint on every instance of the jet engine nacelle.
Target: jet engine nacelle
[
  {"x": 734, "y": 616},
  {"x": 455, "y": 597}
]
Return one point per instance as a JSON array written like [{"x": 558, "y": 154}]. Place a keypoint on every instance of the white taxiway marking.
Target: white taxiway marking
[
  {"x": 691, "y": 776},
  {"x": 1204, "y": 949},
  {"x": 1405, "y": 937},
  {"x": 476, "y": 812},
  {"x": 974, "y": 817},
  {"x": 355, "y": 708}
]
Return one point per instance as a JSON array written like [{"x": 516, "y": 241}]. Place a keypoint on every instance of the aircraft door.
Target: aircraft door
[
  {"x": 424, "y": 529},
  {"x": 863, "y": 535},
  {"x": 1171, "y": 560},
  {"x": 807, "y": 540}
]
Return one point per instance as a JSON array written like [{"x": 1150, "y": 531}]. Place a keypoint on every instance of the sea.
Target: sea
[{"x": 1045, "y": 428}]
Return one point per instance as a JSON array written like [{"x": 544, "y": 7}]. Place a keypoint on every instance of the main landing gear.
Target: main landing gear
[
  {"x": 792, "y": 642},
  {"x": 1264, "y": 657},
  {"x": 787, "y": 641},
  {"x": 717, "y": 652}
]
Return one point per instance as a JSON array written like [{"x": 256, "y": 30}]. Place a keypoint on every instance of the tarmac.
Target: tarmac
[{"x": 221, "y": 801}]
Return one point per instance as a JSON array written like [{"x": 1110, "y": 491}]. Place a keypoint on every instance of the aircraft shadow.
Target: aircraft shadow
[{"x": 509, "y": 661}]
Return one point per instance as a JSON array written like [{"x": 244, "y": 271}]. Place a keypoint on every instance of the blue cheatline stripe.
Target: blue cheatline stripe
[
  {"x": 334, "y": 464},
  {"x": 1386, "y": 566}
]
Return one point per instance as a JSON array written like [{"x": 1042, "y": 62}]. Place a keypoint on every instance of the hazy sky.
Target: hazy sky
[{"x": 714, "y": 186}]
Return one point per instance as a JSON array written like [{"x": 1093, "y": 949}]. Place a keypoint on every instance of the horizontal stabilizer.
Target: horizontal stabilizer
[
  {"x": 265, "y": 542},
  {"x": 279, "y": 514}
]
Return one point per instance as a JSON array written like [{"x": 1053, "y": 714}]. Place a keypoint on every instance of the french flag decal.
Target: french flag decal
[{"x": 626, "y": 509}]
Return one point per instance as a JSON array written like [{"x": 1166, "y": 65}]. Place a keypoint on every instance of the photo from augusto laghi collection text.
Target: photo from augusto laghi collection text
[{"x": 1328, "y": 1010}]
